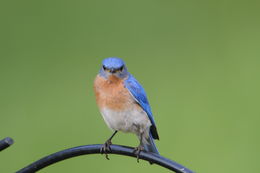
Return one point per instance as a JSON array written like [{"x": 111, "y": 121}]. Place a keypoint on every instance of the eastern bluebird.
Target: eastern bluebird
[{"x": 124, "y": 106}]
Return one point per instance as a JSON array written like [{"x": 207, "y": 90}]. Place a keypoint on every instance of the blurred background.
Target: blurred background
[{"x": 197, "y": 60}]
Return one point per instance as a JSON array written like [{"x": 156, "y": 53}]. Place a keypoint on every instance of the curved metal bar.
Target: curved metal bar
[
  {"x": 5, "y": 143},
  {"x": 95, "y": 149}
]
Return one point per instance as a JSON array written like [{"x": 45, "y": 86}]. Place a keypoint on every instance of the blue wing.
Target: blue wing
[{"x": 140, "y": 96}]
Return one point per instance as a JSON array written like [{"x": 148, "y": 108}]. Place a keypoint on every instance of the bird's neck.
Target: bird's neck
[{"x": 113, "y": 79}]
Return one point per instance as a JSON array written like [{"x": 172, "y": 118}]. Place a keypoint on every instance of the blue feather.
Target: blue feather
[
  {"x": 151, "y": 147},
  {"x": 140, "y": 96}
]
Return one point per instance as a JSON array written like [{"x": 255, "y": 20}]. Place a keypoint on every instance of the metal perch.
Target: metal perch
[
  {"x": 95, "y": 149},
  {"x": 5, "y": 143}
]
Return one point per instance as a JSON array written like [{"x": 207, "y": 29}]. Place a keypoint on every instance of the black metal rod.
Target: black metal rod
[
  {"x": 5, "y": 143},
  {"x": 94, "y": 149}
]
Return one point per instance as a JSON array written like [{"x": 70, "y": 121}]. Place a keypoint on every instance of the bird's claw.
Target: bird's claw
[
  {"x": 137, "y": 151},
  {"x": 106, "y": 148}
]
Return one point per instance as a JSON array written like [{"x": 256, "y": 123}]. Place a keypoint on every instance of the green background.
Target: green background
[{"x": 197, "y": 60}]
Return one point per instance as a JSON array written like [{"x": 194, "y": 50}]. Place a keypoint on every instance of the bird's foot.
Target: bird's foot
[
  {"x": 106, "y": 148},
  {"x": 137, "y": 151}
]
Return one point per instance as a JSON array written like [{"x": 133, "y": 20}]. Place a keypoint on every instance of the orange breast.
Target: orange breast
[{"x": 111, "y": 93}]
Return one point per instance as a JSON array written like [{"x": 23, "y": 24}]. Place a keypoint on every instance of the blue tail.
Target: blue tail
[{"x": 151, "y": 145}]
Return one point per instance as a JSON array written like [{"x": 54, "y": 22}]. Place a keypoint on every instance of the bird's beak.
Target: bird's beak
[{"x": 112, "y": 70}]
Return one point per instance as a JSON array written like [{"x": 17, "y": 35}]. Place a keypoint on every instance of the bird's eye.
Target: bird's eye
[
  {"x": 104, "y": 67},
  {"x": 121, "y": 68}
]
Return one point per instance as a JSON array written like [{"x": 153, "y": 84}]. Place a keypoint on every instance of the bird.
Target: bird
[{"x": 123, "y": 104}]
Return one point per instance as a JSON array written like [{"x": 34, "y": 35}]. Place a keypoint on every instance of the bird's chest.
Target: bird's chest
[
  {"x": 112, "y": 94},
  {"x": 118, "y": 107}
]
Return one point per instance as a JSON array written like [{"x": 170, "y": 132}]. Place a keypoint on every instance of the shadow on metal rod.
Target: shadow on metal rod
[{"x": 95, "y": 149}]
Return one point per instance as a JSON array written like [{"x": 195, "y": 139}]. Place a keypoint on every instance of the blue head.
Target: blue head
[{"x": 113, "y": 66}]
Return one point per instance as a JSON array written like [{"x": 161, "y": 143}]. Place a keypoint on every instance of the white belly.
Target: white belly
[{"x": 131, "y": 120}]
